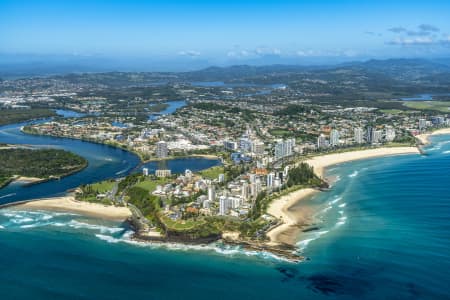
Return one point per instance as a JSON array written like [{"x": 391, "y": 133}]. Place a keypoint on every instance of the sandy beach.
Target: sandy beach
[
  {"x": 28, "y": 179},
  {"x": 281, "y": 208},
  {"x": 69, "y": 204},
  {"x": 424, "y": 138},
  {"x": 319, "y": 163}
]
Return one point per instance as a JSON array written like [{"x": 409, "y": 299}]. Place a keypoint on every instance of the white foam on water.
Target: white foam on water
[
  {"x": 20, "y": 219},
  {"x": 340, "y": 223},
  {"x": 325, "y": 210},
  {"x": 103, "y": 229},
  {"x": 226, "y": 250},
  {"x": 122, "y": 171},
  {"x": 108, "y": 238},
  {"x": 30, "y": 226},
  {"x": 336, "y": 200},
  {"x": 342, "y": 205},
  {"x": 8, "y": 195},
  {"x": 8, "y": 214},
  {"x": 2, "y": 227},
  {"x": 354, "y": 174},
  {"x": 58, "y": 224},
  {"x": 304, "y": 243},
  {"x": 446, "y": 152}
]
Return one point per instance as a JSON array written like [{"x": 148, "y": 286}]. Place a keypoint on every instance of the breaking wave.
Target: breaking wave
[{"x": 28, "y": 220}]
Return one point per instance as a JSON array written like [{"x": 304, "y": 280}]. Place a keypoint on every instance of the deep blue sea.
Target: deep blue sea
[{"x": 384, "y": 233}]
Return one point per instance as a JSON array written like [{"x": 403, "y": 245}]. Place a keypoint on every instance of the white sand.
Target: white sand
[
  {"x": 279, "y": 208},
  {"x": 68, "y": 203},
  {"x": 319, "y": 163},
  {"x": 28, "y": 179}
]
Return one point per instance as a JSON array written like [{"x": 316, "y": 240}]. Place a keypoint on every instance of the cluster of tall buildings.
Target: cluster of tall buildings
[
  {"x": 369, "y": 135},
  {"x": 435, "y": 121},
  {"x": 245, "y": 145}
]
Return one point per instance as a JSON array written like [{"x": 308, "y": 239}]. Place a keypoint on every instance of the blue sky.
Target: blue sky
[{"x": 220, "y": 31}]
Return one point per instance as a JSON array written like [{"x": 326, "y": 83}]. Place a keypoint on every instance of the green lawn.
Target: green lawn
[
  {"x": 442, "y": 106},
  {"x": 392, "y": 111},
  {"x": 150, "y": 185},
  {"x": 182, "y": 224},
  {"x": 103, "y": 186},
  {"x": 279, "y": 132},
  {"x": 212, "y": 173}
]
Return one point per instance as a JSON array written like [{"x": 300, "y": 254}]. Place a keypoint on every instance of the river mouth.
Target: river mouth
[{"x": 104, "y": 162}]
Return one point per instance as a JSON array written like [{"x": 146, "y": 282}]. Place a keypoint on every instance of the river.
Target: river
[{"x": 104, "y": 161}]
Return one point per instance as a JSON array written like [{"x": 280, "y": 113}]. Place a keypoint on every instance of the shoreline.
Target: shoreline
[
  {"x": 320, "y": 163},
  {"x": 121, "y": 147},
  {"x": 280, "y": 208},
  {"x": 424, "y": 138},
  {"x": 28, "y": 181},
  {"x": 69, "y": 204},
  {"x": 205, "y": 156},
  {"x": 287, "y": 232}
]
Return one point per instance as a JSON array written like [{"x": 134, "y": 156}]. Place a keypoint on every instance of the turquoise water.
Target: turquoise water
[{"x": 384, "y": 233}]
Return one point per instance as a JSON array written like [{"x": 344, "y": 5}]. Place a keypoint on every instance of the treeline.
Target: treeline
[
  {"x": 148, "y": 204},
  {"x": 10, "y": 116},
  {"x": 41, "y": 163},
  {"x": 303, "y": 174},
  {"x": 291, "y": 110}
]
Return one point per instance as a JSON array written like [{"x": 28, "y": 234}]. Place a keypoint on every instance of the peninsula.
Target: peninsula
[{"x": 32, "y": 165}]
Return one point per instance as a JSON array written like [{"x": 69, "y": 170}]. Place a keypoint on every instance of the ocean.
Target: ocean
[{"x": 383, "y": 233}]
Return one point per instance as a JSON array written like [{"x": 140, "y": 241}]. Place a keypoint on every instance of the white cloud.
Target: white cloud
[
  {"x": 254, "y": 53},
  {"x": 412, "y": 41},
  {"x": 191, "y": 53},
  {"x": 327, "y": 53}
]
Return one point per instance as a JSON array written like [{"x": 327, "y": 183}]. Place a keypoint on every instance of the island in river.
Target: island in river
[{"x": 31, "y": 165}]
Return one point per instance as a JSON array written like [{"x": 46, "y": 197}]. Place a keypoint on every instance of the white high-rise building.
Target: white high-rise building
[
  {"x": 359, "y": 135},
  {"x": 211, "y": 193},
  {"x": 422, "y": 124},
  {"x": 334, "y": 137},
  {"x": 390, "y": 134},
  {"x": 221, "y": 178},
  {"x": 377, "y": 136},
  {"x": 322, "y": 142},
  {"x": 245, "y": 144},
  {"x": 224, "y": 205},
  {"x": 258, "y": 186},
  {"x": 284, "y": 148},
  {"x": 161, "y": 149},
  {"x": 244, "y": 192},
  {"x": 369, "y": 134},
  {"x": 258, "y": 147},
  {"x": 270, "y": 179},
  {"x": 145, "y": 171}
]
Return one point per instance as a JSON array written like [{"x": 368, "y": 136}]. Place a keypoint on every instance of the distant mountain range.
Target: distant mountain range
[{"x": 16, "y": 66}]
